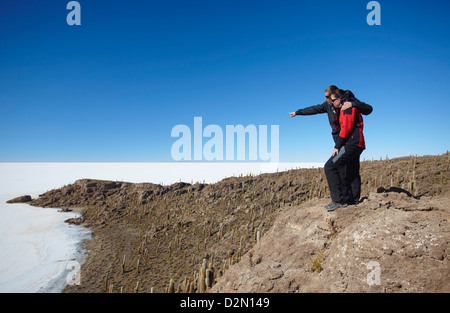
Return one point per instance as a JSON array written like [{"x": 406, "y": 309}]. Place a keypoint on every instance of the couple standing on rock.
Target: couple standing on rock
[{"x": 342, "y": 169}]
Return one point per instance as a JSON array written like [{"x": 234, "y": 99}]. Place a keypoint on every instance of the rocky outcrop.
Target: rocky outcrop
[
  {"x": 20, "y": 199},
  {"x": 391, "y": 242}
]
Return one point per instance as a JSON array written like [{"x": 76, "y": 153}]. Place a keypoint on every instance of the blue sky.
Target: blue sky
[{"x": 113, "y": 88}]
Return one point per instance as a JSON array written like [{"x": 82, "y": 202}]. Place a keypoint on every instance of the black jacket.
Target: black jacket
[{"x": 362, "y": 107}]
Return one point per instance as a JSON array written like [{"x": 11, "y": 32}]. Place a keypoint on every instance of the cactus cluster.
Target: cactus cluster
[{"x": 200, "y": 282}]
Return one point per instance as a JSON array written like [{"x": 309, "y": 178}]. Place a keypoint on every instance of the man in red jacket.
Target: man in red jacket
[{"x": 348, "y": 147}]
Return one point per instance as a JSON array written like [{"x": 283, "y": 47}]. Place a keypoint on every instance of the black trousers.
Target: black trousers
[
  {"x": 342, "y": 172},
  {"x": 352, "y": 174}
]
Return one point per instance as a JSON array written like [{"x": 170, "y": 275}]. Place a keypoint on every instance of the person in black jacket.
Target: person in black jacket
[
  {"x": 333, "y": 118},
  {"x": 327, "y": 107},
  {"x": 347, "y": 149}
]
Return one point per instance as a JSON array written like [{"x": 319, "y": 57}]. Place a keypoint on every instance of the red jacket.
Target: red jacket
[{"x": 351, "y": 131}]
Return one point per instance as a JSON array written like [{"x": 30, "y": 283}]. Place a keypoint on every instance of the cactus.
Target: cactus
[
  {"x": 208, "y": 278},
  {"x": 448, "y": 161},
  {"x": 185, "y": 285},
  {"x": 136, "y": 289},
  {"x": 220, "y": 234},
  {"x": 123, "y": 264},
  {"x": 202, "y": 279},
  {"x": 106, "y": 281},
  {"x": 171, "y": 288}
]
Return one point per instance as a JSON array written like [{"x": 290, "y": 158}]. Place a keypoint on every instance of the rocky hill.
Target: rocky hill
[
  {"x": 389, "y": 243},
  {"x": 198, "y": 237}
]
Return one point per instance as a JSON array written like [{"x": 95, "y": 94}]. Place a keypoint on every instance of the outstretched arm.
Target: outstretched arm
[{"x": 315, "y": 109}]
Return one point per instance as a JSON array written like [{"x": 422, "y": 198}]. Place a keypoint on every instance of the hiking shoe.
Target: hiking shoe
[{"x": 334, "y": 205}]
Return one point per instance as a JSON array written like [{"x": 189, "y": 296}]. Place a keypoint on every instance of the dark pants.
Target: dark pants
[
  {"x": 352, "y": 173},
  {"x": 342, "y": 172}
]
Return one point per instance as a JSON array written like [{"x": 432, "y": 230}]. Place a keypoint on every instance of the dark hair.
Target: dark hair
[
  {"x": 343, "y": 94},
  {"x": 331, "y": 89}
]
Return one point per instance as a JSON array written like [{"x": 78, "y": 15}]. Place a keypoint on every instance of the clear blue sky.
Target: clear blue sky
[{"x": 113, "y": 88}]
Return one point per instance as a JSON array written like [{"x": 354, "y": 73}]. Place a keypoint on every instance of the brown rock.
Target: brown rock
[
  {"x": 379, "y": 247},
  {"x": 20, "y": 199},
  {"x": 75, "y": 220}
]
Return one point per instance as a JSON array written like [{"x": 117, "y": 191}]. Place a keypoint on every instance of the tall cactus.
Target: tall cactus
[
  {"x": 202, "y": 279},
  {"x": 171, "y": 288}
]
